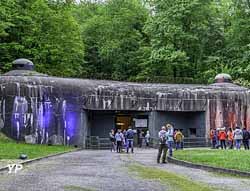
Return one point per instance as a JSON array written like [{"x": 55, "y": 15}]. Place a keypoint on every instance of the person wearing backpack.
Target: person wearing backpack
[
  {"x": 162, "y": 145},
  {"x": 238, "y": 136},
  {"x": 246, "y": 137},
  {"x": 130, "y": 140}
]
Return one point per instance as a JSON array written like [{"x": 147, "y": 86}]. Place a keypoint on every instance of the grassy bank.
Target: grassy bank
[
  {"x": 9, "y": 149},
  {"x": 171, "y": 180},
  {"x": 231, "y": 159}
]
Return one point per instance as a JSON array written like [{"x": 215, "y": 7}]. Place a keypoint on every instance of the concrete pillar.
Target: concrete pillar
[
  {"x": 152, "y": 127},
  {"x": 84, "y": 128}
]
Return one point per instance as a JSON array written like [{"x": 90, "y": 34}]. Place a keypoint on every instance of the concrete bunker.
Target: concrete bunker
[{"x": 43, "y": 109}]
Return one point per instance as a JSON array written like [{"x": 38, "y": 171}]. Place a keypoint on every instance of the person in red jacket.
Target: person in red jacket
[{"x": 222, "y": 138}]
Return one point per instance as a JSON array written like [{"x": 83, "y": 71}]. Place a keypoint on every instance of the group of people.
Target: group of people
[
  {"x": 223, "y": 138},
  {"x": 125, "y": 139}
]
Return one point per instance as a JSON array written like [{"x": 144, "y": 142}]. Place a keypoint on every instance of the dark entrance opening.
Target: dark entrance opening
[
  {"x": 123, "y": 122},
  {"x": 101, "y": 122},
  {"x": 192, "y": 124}
]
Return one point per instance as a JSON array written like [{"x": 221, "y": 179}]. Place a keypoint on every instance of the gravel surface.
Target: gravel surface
[
  {"x": 6, "y": 162},
  {"x": 83, "y": 170},
  {"x": 104, "y": 171},
  {"x": 148, "y": 158}
]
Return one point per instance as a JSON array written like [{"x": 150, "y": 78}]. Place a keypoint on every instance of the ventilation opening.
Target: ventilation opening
[{"x": 20, "y": 66}]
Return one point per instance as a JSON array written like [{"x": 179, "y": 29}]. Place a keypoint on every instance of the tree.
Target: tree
[
  {"x": 48, "y": 35},
  {"x": 238, "y": 40},
  {"x": 114, "y": 36},
  {"x": 7, "y": 8},
  {"x": 180, "y": 33}
]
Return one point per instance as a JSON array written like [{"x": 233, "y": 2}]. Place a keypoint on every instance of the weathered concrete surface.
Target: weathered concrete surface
[
  {"x": 102, "y": 170},
  {"x": 35, "y": 104}
]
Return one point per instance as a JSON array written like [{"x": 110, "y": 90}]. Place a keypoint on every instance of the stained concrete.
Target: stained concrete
[{"x": 35, "y": 104}]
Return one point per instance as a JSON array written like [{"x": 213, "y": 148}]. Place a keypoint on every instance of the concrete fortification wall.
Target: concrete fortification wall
[{"x": 51, "y": 109}]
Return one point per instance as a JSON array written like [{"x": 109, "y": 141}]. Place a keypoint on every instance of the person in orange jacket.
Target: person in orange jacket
[
  {"x": 230, "y": 138},
  {"x": 212, "y": 135},
  {"x": 222, "y": 138}
]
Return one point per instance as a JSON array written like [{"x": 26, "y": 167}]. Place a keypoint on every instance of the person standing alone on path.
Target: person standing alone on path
[{"x": 162, "y": 145}]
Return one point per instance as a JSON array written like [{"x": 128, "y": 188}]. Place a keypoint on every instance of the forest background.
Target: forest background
[{"x": 170, "y": 41}]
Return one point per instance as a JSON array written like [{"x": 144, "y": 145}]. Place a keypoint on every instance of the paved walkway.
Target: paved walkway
[
  {"x": 4, "y": 162},
  {"x": 148, "y": 158},
  {"x": 102, "y": 170}
]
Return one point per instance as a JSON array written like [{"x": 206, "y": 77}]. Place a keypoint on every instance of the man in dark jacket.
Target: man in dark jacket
[
  {"x": 130, "y": 140},
  {"x": 246, "y": 137}
]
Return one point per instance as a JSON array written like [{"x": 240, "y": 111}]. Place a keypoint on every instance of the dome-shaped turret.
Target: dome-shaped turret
[
  {"x": 23, "y": 67},
  {"x": 221, "y": 78},
  {"x": 22, "y": 64}
]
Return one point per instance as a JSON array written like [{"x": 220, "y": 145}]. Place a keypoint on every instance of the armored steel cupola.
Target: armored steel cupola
[
  {"x": 22, "y": 64},
  {"x": 23, "y": 67},
  {"x": 222, "y": 78}
]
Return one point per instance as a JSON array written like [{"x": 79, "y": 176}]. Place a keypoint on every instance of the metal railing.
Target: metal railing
[{"x": 96, "y": 142}]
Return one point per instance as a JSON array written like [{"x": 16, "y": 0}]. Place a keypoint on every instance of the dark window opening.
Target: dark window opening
[
  {"x": 19, "y": 66},
  {"x": 192, "y": 132}
]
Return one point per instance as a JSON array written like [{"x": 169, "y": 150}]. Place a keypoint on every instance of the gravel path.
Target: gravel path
[
  {"x": 148, "y": 158},
  {"x": 83, "y": 170},
  {"x": 4, "y": 162},
  {"x": 104, "y": 171}
]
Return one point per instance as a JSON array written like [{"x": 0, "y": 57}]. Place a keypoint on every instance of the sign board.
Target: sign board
[{"x": 141, "y": 122}]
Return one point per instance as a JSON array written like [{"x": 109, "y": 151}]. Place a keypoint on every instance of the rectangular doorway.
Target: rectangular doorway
[{"x": 123, "y": 122}]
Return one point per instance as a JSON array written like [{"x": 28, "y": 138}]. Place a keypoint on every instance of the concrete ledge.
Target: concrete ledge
[
  {"x": 29, "y": 161},
  {"x": 208, "y": 168}
]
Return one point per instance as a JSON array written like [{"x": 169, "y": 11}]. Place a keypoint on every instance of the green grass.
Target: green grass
[
  {"x": 175, "y": 182},
  {"x": 9, "y": 149},
  {"x": 231, "y": 159}
]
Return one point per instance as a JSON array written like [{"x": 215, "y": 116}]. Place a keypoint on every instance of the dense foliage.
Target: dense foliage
[{"x": 174, "y": 41}]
